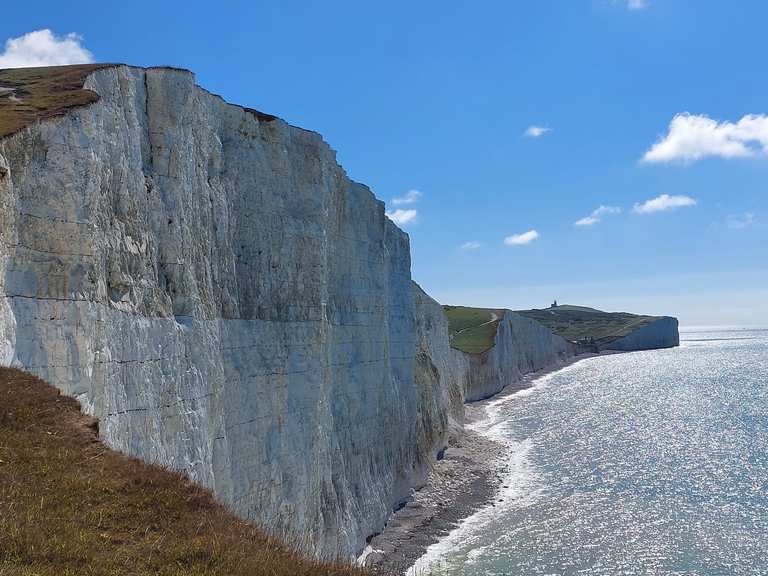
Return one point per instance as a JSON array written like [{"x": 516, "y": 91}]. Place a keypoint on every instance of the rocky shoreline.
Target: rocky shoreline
[{"x": 464, "y": 481}]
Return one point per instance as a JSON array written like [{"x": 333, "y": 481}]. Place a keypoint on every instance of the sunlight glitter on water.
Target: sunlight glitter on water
[{"x": 643, "y": 463}]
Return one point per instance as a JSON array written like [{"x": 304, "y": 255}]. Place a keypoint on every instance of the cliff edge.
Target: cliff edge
[
  {"x": 207, "y": 282},
  {"x": 594, "y": 330}
]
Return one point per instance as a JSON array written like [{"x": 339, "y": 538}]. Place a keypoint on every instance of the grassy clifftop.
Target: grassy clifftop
[
  {"x": 31, "y": 94},
  {"x": 576, "y": 323},
  {"x": 71, "y": 506},
  {"x": 472, "y": 330}
]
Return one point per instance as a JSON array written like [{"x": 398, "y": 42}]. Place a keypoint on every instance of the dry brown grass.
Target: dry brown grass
[
  {"x": 39, "y": 93},
  {"x": 70, "y": 506}
]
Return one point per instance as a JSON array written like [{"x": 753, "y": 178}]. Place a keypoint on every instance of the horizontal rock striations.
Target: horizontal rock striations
[{"x": 207, "y": 281}]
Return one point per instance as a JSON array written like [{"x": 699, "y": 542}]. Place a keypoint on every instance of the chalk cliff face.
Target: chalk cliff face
[
  {"x": 446, "y": 369},
  {"x": 208, "y": 282},
  {"x": 662, "y": 333},
  {"x": 522, "y": 346}
]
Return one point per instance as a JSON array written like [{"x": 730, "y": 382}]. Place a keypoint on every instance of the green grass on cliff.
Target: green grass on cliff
[
  {"x": 31, "y": 94},
  {"x": 69, "y": 506},
  {"x": 472, "y": 330},
  {"x": 577, "y": 322}
]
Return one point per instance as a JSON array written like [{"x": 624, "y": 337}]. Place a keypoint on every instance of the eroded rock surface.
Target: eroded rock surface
[
  {"x": 522, "y": 346},
  {"x": 208, "y": 282}
]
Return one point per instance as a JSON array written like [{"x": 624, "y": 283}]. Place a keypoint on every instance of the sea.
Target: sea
[{"x": 643, "y": 463}]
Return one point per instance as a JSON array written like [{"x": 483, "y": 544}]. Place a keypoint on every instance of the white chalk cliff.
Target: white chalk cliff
[
  {"x": 208, "y": 282},
  {"x": 661, "y": 333},
  {"x": 521, "y": 346}
]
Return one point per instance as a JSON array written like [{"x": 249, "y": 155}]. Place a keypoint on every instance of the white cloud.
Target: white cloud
[
  {"x": 740, "y": 221},
  {"x": 536, "y": 131},
  {"x": 637, "y": 4},
  {"x": 471, "y": 245},
  {"x": 663, "y": 203},
  {"x": 43, "y": 48},
  {"x": 692, "y": 138},
  {"x": 402, "y": 217},
  {"x": 587, "y": 221},
  {"x": 597, "y": 215},
  {"x": 521, "y": 239},
  {"x": 411, "y": 197}
]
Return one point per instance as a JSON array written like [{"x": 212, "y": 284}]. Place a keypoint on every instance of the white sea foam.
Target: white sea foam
[
  {"x": 650, "y": 462},
  {"x": 521, "y": 485},
  {"x": 360, "y": 561}
]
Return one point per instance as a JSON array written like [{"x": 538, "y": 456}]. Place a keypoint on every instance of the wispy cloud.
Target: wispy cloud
[
  {"x": 471, "y": 245},
  {"x": 637, "y": 4},
  {"x": 402, "y": 217},
  {"x": 536, "y": 131},
  {"x": 663, "y": 203},
  {"x": 597, "y": 215},
  {"x": 740, "y": 221},
  {"x": 44, "y": 48},
  {"x": 521, "y": 239},
  {"x": 411, "y": 197},
  {"x": 691, "y": 137}
]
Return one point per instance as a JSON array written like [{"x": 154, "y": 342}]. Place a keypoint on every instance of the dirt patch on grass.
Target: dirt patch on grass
[{"x": 71, "y": 506}]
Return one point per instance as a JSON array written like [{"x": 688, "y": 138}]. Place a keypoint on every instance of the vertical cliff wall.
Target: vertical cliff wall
[
  {"x": 662, "y": 333},
  {"x": 521, "y": 346},
  {"x": 207, "y": 281},
  {"x": 441, "y": 371}
]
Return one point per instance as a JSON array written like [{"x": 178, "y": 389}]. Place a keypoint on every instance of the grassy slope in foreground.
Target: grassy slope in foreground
[
  {"x": 71, "y": 506},
  {"x": 472, "y": 330},
  {"x": 577, "y": 322}
]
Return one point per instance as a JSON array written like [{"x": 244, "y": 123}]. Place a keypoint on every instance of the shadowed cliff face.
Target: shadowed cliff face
[{"x": 208, "y": 282}]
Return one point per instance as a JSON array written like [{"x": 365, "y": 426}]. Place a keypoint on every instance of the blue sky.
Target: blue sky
[{"x": 445, "y": 97}]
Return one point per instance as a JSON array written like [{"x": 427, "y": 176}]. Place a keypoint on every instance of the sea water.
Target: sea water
[{"x": 640, "y": 463}]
